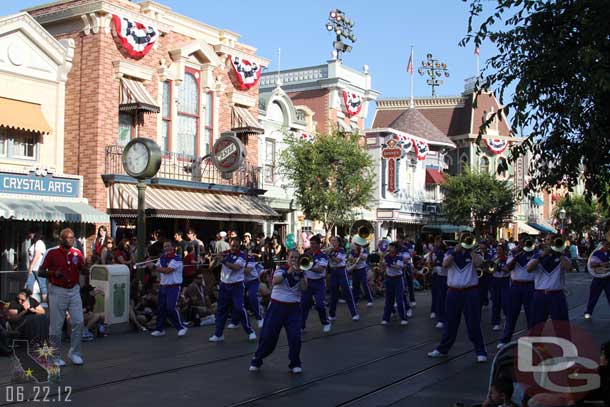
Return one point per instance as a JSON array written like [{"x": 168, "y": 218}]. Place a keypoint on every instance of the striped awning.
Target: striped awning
[
  {"x": 525, "y": 228},
  {"x": 50, "y": 211},
  {"x": 22, "y": 116},
  {"x": 243, "y": 121},
  {"x": 183, "y": 203},
  {"x": 134, "y": 96}
]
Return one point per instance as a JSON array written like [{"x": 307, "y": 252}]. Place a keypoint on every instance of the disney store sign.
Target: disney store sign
[{"x": 39, "y": 181}]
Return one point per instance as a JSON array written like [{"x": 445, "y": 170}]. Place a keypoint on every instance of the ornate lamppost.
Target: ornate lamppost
[{"x": 435, "y": 69}]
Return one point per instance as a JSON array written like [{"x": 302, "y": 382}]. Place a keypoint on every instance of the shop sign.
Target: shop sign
[
  {"x": 39, "y": 183},
  {"x": 228, "y": 153},
  {"x": 391, "y": 153}
]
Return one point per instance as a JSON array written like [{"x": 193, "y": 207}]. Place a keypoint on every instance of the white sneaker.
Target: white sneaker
[
  {"x": 588, "y": 317},
  {"x": 432, "y": 315},
  {"x": 356, "y": 317},
  {"x": 259, "y": 323},
  {"x": 404, "y": 322},
  {"x": 384, "y": 322},
  {"x": 327, "y": 328},
  {"x": 436, "y": 354},
  {"x": 369, "y": 304},
  {"x": 341, "y": 301},
  {"x": 440, "y": 325},
  {"x": 157, "y": 333},
  {"x": 254, "y": 368},
  {"x": 182, "y": 332},
  {"x": 252, "y": 336},
  {"x": 59, "y": 362},
  {"x": 211, "y": 320},
  {"x": 500, "y": 345},
  {"x": 496, "y": 328},
  {"x": 413, "y": 304},
  {"x": 481, "y": 359},
  {"x": 231, "y": 326},
  {"x": 76, "y": 359},
  {"x": 410, "y": 313},
  {"x": 215, "y": 338},
  {"x": 332, "y": 318},
  {"x": 297, "y": 370}
]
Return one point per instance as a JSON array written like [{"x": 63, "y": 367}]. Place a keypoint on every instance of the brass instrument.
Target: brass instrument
[
  {"x": 467, "y": 241},
  {"x": 487, "y": 267},
  {"x": 142, "y": 263},
  {"x": 528, "y": 245},
  {"x": 603, "y": 270},
  {"x": 365, "y": 232},
  {"x": 425, "y": 271},
  {"x": 558, "y": 245},
  {"x": 305, "y": 262}
]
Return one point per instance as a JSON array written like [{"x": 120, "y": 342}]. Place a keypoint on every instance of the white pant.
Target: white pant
[{"x": 62, "y": 300}]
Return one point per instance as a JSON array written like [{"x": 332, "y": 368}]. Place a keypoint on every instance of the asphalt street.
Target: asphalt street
[{"x": 358, "y": 364}]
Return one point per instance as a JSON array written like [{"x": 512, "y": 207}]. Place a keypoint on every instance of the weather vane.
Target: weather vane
[
  {"x": 342, "y": 26},
  {"x": 435, "y": 69}
]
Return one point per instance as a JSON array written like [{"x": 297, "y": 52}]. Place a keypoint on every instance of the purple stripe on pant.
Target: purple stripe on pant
[
  {"x": 519, "y": 295},
  {"x": 467, "y": 302},
  {"x": 441, "y": 298},
  {"x": 597, "y": 286},
  {"x": 167, "y": 307},
  {"x": 499, "y": 298},
  {"x": 231, "y": 294},
  {"x": 359, "y": 278},
  {"x": 315, "y": 294},
  {"x": 552, "y": 304},
  {"x": 410, "y": 285},
  {"x": 338, "y": 279},
  {"x": 484, "y": 284},
  {"x": 280, "y": 315},
  {"x": 394, "y": 293}
]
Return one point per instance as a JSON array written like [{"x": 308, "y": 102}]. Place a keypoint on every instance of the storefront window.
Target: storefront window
[
  {"x": 166, "y": 114},
  {"x": 188, "y": 115},
  {"x": 484, "y": 165},
  {"x": 208, "y": 102},
  {"x": 3, "y": 142},
  {"x": 18, "y": 143},
  {"x": 125, "y": 128}
]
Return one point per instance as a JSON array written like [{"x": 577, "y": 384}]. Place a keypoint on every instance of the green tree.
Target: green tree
[
  {"x": 553, "y": 57},
  {"x": 478, "y": 199},
  {"x": 581, "y": 215},
  {"x": 332, "y": 176}
]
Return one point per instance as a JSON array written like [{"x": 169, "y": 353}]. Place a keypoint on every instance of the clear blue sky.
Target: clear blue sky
[{"x": 385, "y": 30}]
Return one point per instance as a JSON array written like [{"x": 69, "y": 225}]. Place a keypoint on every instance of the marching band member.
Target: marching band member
[
  {"x": 521, "y": 289},
  {"x": 393, "y": 266},
  {"x": 549, "y": 268},
  {"x": 462, "y": 296},
  {"x": 439, "y": 288},
  {"x": 359, "y": 254},
  {"x": 485, "y": 280},
  {"x": 338, "y": 278},
  {"x": 315, "y": 293},
  {"x": 284, "y": 311},
  {"x": 252, "y": 282},
  {"x": 409, "y": 247},
  {"x": 404, "y": 251},
  {"x": 231, "y": 292},
  {"x": 500, "y": 285},
  {"x": 169, "y": 267},
  {"x": 599, "y": 262}
]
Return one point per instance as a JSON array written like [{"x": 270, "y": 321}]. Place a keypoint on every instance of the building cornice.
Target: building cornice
[
  {"x": 440, "y": 102},
  {"x": 224, "y": 50},
  {"x": 402, "y": 133}
]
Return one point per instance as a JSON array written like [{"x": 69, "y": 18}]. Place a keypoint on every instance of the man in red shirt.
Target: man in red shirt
[{"x": 62, "y": 265}]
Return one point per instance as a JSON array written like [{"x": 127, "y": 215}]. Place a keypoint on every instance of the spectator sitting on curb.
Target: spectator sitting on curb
[{"x": 200, "y": 309}]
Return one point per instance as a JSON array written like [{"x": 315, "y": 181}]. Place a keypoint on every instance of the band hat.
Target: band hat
[
  {"x": 223, "y": 234},
  {"x": 359, "y": 240}
]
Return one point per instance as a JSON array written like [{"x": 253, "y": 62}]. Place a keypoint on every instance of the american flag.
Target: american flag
[
  {"x": 410, "y": 65},
  {"x": 477, "y": 51}
]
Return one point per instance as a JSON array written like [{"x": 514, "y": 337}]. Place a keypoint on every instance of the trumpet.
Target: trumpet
[
  {"x": 528, "y": 245},
  {"x": 558, "y": 245},
  {"x": 488, "y": 267},
  {"x": 468, "y": 241},
  {"x": 305, "y": 262}
]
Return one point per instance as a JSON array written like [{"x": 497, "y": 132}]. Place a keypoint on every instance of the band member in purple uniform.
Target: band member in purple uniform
[
  {"x": 393, "y": 267},
  {"x": 500, "y": 285},
  {"x": 439, "y": 289},
  {"x": 485, "y": 281},
  {"x": 599, "y": 264},
  {"x": 252, "y": 283},
  {"x": 463, "y": 296},
  {"x": 284, "y": 311},
  {"x": 338, "y": 279},
  {"x": 315, "y": 293},
  {"x": 231, "y": 292},
  {"x": 358, "y": 256}
]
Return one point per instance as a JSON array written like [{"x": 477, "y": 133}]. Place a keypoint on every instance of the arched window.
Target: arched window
[
  {"x": 276, "y": 113},
  {"x": 448, "y": 162},
  {"x": 463, "y": 163},
  {"x": 188, "y": 115},
  {"x": 484, "y": 165},
  {"x": 502, "y": 167}
]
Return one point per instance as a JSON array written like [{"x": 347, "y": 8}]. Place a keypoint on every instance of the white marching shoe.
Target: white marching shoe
[
  {"x": 327, "y": 328},
  {"x": 215, "y": 338}
]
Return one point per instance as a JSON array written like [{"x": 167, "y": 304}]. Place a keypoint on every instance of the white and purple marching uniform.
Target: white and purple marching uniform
[
  {"x": 598, "y": 284},
  {"x": 394, "y": 287},
  {"x": 338, "y": 279},
  {"x": 359, "y": 275},
  {"x": 549, "y": 284},
  {"x": 315, "y": 293},
  {"x": 407, "y": 251},
  {"x": 252, "y": 283},
  {"x": 439, "y": 285},
  {"x": 169, "y": 292},
  {"x": 520, "y": 293},
  {"x": 500, "y": 286}
]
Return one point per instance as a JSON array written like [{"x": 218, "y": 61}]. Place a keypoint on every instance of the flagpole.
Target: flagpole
[
  {"x": 477, "y": 51},
  {"x": 412, "y": 104}
]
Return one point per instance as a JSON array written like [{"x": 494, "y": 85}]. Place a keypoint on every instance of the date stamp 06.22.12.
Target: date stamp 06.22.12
[{"x": 37, "y": 394}]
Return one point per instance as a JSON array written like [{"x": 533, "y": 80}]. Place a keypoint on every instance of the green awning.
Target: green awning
[
  {"x": 542, "y": 227},
  {"x": 536, "y": 201},
  {"x": 50, "y": 211},
  {"x": 446, "y": 228}
]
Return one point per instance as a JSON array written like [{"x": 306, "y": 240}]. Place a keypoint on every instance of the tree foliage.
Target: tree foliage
[
  {"x": 556, "y": 56},
  {"x": 581, "y": 215},
  {"x": 478, "y": 199},
  {"x": 332, "y": 176}
]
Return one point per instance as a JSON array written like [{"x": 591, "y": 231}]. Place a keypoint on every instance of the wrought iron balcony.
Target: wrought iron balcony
[{"x": 184, "y": 167}]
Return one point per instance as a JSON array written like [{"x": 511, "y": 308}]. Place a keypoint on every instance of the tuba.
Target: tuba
[
  {"x": 305, "y": 262},
  {"x": 599, "y": 272}
]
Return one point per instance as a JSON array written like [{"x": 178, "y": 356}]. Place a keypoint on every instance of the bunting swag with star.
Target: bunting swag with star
[
  {"x": 248, "y": 72},
  {"x": 421, "y": 149},
  {"x": 496, "y": 146},
  {"x": 306, "y": 137},
  {"x": 407, "y": 144},
  {"x": 136, "y": 38},
  {"x": 353, "y": 103}
]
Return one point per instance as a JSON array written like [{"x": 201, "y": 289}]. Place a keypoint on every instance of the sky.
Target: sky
[{"x": 385, "y": 31}]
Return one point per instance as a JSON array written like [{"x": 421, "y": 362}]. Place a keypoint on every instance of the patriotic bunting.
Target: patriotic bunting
[
  {"x": 136, "y": 38},
  {"x": 305, "y": 137},
  {"x": 353, "y": 103},
  {"x": 421, "y": 149},
  {"x": 496, "y": 146},
  {"x": 248, "y": 72}
]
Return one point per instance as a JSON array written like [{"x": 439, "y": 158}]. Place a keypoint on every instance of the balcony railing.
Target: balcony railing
[{"x": 184, "y": 167}]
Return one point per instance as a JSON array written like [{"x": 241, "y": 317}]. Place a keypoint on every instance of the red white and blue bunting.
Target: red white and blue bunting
[
  {"x": 136, "y": 38},
  {"x": 248, "y": 72},
  {"x": 496, "y": 146},
  {"x": 421, "y": 149},
  {"x": 407, "y": 144},
  {"x": 305, "y": 137},
  {"x": 353, "y": 103}
]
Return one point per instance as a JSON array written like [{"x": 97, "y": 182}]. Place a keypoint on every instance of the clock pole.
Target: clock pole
[{"x": 141, "y": 228}]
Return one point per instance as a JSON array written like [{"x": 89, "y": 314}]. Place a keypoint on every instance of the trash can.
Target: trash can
[{"x": 113, "y": 281}]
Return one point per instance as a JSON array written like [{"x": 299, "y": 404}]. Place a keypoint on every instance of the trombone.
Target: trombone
[
  {"x": 305, "y": 262},
  {"x": 558, "y": 245}
]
